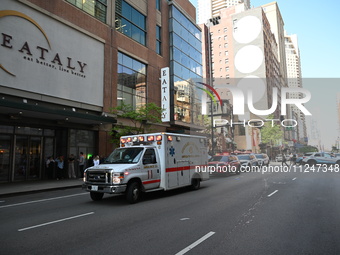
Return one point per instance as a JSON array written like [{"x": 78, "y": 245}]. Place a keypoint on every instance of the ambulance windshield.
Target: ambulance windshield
[{"x": 124, "y": 156}]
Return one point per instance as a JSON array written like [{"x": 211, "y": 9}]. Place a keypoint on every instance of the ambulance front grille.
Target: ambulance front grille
[{"x": 98, "y": 177}]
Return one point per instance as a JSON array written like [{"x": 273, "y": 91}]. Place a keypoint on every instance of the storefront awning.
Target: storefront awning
[{"x": 25, "y": 110}]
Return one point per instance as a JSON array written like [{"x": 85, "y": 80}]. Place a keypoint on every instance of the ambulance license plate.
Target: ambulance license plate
[{"x": 94, "y": 188}]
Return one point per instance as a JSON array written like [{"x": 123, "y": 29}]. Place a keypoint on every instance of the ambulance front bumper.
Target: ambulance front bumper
[{"x": 110, "y": 189}]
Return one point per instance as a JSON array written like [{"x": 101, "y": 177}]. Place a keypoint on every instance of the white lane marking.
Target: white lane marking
[
  {"x": 294, "y": 179},
  {"x": 56, "y": 221},
  {"x": 185, "y": 219},
  {"x": 272, "y": 193},
  {"x": 41, "y": 200},
  {"x": 191, "y": 246}
]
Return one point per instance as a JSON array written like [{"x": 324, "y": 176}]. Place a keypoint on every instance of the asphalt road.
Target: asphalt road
[{"x": 251, "y": 213}]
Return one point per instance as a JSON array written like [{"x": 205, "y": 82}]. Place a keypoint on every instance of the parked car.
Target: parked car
[
  {"x": 278, "y": 158},
  {"x": 225, "y": 164},
  {"x": 320, "y": 158},
  {"x": 247, "y": 160},
  {"x": 263, "y": 159}
]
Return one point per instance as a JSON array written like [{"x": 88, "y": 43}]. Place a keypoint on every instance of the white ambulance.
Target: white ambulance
[{"x": 149, "y": 162}]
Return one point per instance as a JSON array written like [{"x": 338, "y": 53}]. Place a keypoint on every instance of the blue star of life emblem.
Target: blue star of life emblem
[{"x": 172, "y": 151}]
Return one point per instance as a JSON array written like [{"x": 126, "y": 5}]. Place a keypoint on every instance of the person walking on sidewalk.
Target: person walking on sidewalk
[
  {"x": 284, "y": 160},
  {"x": 71, "y": 172},
  {"x": 60, "y": 167},
  {"x": 50, "y": 167},
  {"x": 293, "y": 160},
  {"x": 81, "y": 164}
]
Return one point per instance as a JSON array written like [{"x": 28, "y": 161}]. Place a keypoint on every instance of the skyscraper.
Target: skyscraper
[
  {"x": 208, "y": 9},
  {"x": 294, "y": 80}
]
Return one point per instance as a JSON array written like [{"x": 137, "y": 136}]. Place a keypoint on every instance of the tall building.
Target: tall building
[
  {"x": 208, "y": 9},
  {"x": 243, "y": 53},
  {"x": 66, "y": 63},
  {"x": 294, "y": 80},
  {"x": 276, "y": 22}
]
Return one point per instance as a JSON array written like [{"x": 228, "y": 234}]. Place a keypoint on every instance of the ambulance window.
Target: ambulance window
[{"x": 149, "y": 157}]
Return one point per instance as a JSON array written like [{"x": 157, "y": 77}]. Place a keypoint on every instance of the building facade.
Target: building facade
[
  {"x": 208, "y": 9},
  {"x": 243, "y": 53},
  {"x": 66, "y": 63},
  {"x": 294, "y": 80}
]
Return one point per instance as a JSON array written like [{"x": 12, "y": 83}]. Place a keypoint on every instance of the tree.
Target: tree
[
  {"x": 308, "y": 148},
  {"x": 135, "y": 121},
  {"x": 270, "y": 133}
]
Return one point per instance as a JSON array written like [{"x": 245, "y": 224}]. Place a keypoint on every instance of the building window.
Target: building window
[
  {"x": 186, "y": 65},
  {"x": 226, "y": 45},
  {"x": 158, "y": 5},
  {"x": 227, "y": 60},
  {"x": 131, "y": 81},
  {"x": 130, "y": 22},
  {"x": 226, "y": 53},
  {"x": 96, "y": 8},
  {"x": 158, "y": 40}
]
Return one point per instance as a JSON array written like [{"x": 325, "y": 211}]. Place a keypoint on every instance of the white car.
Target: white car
[
  {"x": 320, "y": 158},
  {"x": 263, "y": 159}
]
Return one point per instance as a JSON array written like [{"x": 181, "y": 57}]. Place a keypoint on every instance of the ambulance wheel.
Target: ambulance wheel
[
  {"x": 133, "y": 192},
  {"x": 195, "y": 183},
  {"x": 96, "y": 196}
]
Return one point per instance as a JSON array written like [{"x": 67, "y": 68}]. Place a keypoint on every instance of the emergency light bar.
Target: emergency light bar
[{"x": 150, "y": 138}]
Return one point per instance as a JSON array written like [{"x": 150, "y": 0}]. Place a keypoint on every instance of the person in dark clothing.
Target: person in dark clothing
[
  {"x": 60, "y": 167},
  {"x": 284, "y": 160},
  {"x": 50, "y": 167},
  {"x": 293, "y": 160}
]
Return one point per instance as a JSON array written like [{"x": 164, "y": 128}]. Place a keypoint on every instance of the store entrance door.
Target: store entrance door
[{"x": 27, "y": 157}]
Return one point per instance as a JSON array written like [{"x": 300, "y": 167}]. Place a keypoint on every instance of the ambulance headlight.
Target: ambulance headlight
[{"x": 117, "y": 178}]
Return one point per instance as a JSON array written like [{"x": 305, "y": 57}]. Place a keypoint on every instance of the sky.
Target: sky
[{"x": 316, "y": 25}]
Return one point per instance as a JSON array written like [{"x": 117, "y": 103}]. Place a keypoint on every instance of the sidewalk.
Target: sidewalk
[{"x": 17, "y": 188}]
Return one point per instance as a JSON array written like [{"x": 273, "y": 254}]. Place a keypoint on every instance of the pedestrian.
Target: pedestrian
[
  {"x": 293, "y": 160},
  {"x": 96, "y": 161},
  {"x": 81, "y": 161},
  {"x": 284, "y": 160},
  {"x": 71, "y": 172},
  {"x": 60, "y": 167},
  {"x": 49, "y": 167}
]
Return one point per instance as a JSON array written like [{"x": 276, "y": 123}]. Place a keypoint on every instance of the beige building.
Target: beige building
[
  {"x": 243, "y": 53},
  {"x": 294, "y": 80},
  {"x": 208, "y": 9}
]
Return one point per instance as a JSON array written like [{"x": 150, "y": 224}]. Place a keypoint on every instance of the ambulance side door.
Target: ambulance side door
[{"x": 151, "y": 168}]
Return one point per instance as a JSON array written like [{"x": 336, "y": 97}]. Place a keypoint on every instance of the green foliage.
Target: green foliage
[
  {"x": 205, "y": 121},
  {"x": 308, "y": 148},
  {"x": 136, "y": 121},
  {"x": 335, "y": 149},
  {"x": 271, "y": 134}
]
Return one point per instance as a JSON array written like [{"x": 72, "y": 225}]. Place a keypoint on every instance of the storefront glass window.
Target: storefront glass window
[
  {"x": 186, "y": 66},
  {"x": 5, "y": 148},
  {"x": 130, "y": 22},
  {"x": 96, "y": 8},
  {"x": 131, "y": 81}
]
